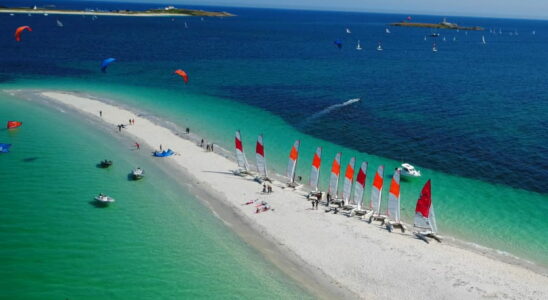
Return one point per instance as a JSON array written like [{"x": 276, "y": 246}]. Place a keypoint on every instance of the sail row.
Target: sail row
[{"x": 424, "y": 212}]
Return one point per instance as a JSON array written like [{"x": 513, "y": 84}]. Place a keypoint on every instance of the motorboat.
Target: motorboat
[
  {"x": 104, "y": 199},
  {"x": 408, "y": 170},
  {"x": 105, "y": 163},
  {"x": 137, "y": 174}
]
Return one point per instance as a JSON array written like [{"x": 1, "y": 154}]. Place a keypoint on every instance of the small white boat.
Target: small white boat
[
  {"x": 379, "y": 47},
  {"x": 444, "y": 39},
  {"x": 104, "y": 199},
  {"x": 358, "y": 47},
  {"x": 348, "y": 30},
  {"x": 137, "y": 174},
  {"x": 434, "y": 48},
  {"x": 46, "y": 14},
  {"x": 408, "y": 170}
]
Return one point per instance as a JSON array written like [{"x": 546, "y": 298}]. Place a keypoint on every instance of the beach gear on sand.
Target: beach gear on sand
[{"x": 164, "y": 153}]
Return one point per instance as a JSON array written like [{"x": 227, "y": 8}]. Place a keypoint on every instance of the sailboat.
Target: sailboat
[
  {"x": 379, "y": 47},
  {"x": 425, "y": 219},
  {"x": 454, "y": 39},
  {"x": 393, "y": 211},
  {"x": 483, "y": 40},
  {"x": 444, "y": 39},
  {"x": 358, "y": 47},
  {"x": 186, "y": 25},
  {"x": 533, "y": 32},
  {"x": 387, "y": 30},
  {"x": 293, "y": 157},
  {"x": 348, "y": 31},
  {"x": 376, "y": 193},
  {"x": 59, "y": 24},
  {"x": 434, "y": 48},
  {"x": 315, "y": 174},
  {"x": 261, "y": 161},
  {"x": 243, "y": 166},
  {"x": 334, "y": 177},
  {"x": 425, "y": 37},
  {"x": 359, "y": 187},
  {"x": 348, "y": 179}
]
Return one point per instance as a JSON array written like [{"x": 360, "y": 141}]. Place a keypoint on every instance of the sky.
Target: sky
[{"x": 536, "y": 9}]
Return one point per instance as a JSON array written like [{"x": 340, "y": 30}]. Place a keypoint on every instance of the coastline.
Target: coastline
[
  {"x": 122, "y": 14},
  {"x": 357, "y": 256}
]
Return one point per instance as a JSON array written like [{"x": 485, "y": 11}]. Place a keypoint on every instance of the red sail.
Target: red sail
[
  {"x": 14, "y": 124},
  {"x": 425, "y": 200}
]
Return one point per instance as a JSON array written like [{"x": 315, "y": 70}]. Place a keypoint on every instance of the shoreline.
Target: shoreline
[
  {"x": 193, "y": 13},
  {"x": 321, "y": 237}
]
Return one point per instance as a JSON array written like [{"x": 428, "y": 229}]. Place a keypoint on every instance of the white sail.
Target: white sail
[
  {"x": 483, "y": 40},
  {"x": 359, "y": 187},
  {"x": 358, "y": 47},
  {"x": 393, "y": 211},
  {"x": 348, "y": 179},
  {"x": 334, "y": 178},
  {"x": 261, "y": 160},
  {"x": 376, "y": 190},
  {"x": 240, "y": 154},
  {"x": 59, "y": 24},
  {"x": 293, "y": 156},
  {"x": 315, "y": 173},
  {"x": 387, "y": 30},
  {"x": 432, "y": 219}
]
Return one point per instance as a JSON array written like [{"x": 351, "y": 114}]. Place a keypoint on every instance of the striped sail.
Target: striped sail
[
  {"x": 376, "y": 191},
  {"x": 240, "y": 155},
  {"x": 293, "y": 156},
  {"x": 424, "y": 211},
  {"x": 261, "y": 161},
  {"x": 359, "y": 187},
  {"x": 334, "y": 179},
  {"x": 315, "y": 173},
  {"x": 348, "y": 178},
  {"x": 393, "y": 211}
]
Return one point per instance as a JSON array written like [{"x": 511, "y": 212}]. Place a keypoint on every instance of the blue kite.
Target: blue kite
[
  {"x": 338, "y": 43},
  {"x": 105, "y": 64},
  {"x": 5, "y": 148}
]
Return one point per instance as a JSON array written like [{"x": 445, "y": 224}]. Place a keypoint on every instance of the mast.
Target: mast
[
  {"x": 240, "y": 154},
  {"x": 334, "y": 179},
  {"x": 348, "y": 178},
  {"x": 293, "y": 156},
  {"x": 376, "y": 190},
  {"x": 393, "y": 211},
  {"x": 315, "y": 172},
  {"x": 261, "y": 160},
  {"x": 360, "y": 185}
]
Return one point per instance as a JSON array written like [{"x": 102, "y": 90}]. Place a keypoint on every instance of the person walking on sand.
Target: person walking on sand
[
  {"x": 202, "y": 143},
  {"x": 187, "y": 130},
  {"x": 211, "y": 147},
  {"x": 101, "y": 113},
  {"x": 269, "y": 189},
  {"x": 264, "y": 188},
  {"x": 161, "y": 147},
  {"x": 137, "y": 146}
]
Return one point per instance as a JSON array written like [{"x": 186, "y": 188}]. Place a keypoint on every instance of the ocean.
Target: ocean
[{"x": 472, "y": 117}]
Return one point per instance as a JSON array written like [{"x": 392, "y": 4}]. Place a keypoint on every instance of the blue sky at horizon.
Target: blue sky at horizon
[{"x": 536, "y": 9}]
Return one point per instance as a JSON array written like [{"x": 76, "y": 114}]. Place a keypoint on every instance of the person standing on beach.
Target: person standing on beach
[
  {"x": 264, "y": 188},
  {"x": 202, "y": 143},
  {"x": 160, "y": 147},
  {"x": 101, "y": 113},
  {"x": 138, "y": 146},
  {"x": 211, "y": 147},
  {"x": 187, "y": 130}
]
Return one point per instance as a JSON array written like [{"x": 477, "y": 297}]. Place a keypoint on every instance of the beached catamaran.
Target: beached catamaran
[
  {"x": 425, "y": 219},
  {"x": 243, "y": 166},
  {"x": 359, "y": 187},
  {"x": 292, "y": 165},
  {"x": 376, "y": 192},
  {"x": 334, "y": 178},
  {"x": 348, "y": 179},
  {"x": 261, "y": 161},
  {"x": 393, "y": 211}
]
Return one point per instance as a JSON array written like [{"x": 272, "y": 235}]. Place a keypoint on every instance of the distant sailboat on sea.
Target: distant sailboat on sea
[
  {"x": 444, "y": 39},
  {"x": 59, "y": 24},
  {"x": 454, "y": 39},
  {"x": 186, "y": 25},
  {"x": 358, "y": 47},
  {"x": 348, "y": 31},
  {"x": 379, "y": 47},
  {"x": 387, "y": 30},
  {"x": 483, "y": 40},
  {"x": 533, "y": 32},
  {"x": 425, "y": 37},
  {"x": 434, "y": 48}
]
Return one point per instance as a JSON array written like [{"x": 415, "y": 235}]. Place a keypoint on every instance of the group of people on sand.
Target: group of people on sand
[
  {"x": 267, "y": 189},
  {"x": 315, "y": 203},
  {"x": 209, "y": 147},
  {"x": 131, "y": 121},
  {"x": 261, "y": 207}
]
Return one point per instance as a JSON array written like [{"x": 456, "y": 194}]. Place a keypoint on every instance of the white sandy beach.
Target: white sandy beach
[{"x": 359, "y": 257}]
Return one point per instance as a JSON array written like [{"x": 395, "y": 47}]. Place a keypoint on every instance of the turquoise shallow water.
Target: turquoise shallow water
[{"x": 156, "y": 241}]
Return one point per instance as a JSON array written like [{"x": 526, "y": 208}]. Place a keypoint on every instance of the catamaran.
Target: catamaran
[
  {"x": 293, "y": 157},
  {"x": 358, "y": 47},
  {"x": 393, "y": 211},
  {"x": 425, "y": 219},
  {"x": 348, "y": 179},
  {"x": 261, "y": 161},
  {"x": 359, "y": 187},
  {"x": 315, "y": 174},
  {"x": 376, "y": 193},
  {"x": 334, "y": 178},
  {"x": 243, "y": 166}
]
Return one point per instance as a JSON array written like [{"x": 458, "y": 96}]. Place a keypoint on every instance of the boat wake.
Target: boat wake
[{"x": 328, "y": 110}]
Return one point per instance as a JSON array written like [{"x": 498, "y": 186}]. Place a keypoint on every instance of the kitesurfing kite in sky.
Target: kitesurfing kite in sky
[
  {"x": 105, "y": 64},
  {"x": 20, "y": 30},
  {"x": 14, "y": 124},
  {"x": 182, "y": 74}
]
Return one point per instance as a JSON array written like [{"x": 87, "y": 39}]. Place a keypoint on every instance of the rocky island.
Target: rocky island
[
  {"x": 442, "y": 25},
  {"x": 168, "y": 11}
]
